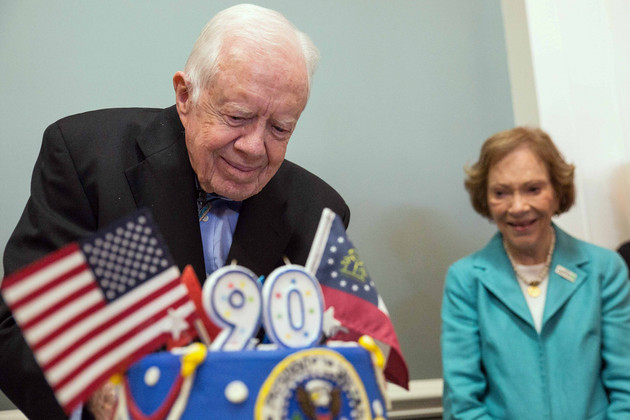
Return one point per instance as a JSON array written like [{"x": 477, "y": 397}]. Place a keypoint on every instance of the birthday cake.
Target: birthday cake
[
  {"x": 234, "y": 378},
  {"x": 312, "y": 383}
]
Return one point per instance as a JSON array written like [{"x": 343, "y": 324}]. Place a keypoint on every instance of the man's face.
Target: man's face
[{"x": 237, "y": 132}]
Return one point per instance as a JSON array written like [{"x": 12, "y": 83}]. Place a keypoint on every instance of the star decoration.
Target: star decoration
[
  {"x": 330, "y": 325},
  {"x": 175, "y": 323}
]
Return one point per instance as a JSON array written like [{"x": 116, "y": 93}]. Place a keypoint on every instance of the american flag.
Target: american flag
[
  {"x": 93, "y": 307},
  {"x": 348, "y": 288}
]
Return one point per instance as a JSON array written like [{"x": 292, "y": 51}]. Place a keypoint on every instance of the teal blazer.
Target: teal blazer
[{"x": 496, "y": 366}]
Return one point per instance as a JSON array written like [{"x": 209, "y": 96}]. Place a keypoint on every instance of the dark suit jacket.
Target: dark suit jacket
[
  {"x": 624, "y": 251},
  {"x": 96, "y": 167}
]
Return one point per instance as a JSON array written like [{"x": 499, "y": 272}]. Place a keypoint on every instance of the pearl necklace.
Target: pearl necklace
[{"x": 533, "y": 288}]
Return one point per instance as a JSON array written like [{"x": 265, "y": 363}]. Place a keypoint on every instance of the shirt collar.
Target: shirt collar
[{"x": 205, "y": 200}]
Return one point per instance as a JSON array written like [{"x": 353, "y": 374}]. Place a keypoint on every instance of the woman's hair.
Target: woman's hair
[
  {"x": 502, "y": 143},
  {"x": 258, "y": 27}
]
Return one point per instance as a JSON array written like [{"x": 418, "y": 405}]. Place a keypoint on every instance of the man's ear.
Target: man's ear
[{"x": 183, "y": 100}]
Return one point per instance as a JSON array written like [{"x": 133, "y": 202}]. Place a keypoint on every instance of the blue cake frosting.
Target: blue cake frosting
[{"x": 312, "y": 383}]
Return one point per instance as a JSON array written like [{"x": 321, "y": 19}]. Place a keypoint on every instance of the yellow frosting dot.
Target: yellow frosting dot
[
  {"x": 116, "y": 378},
  {"x": 370, "y": 345},
  {"x": 196, "y": 354}
]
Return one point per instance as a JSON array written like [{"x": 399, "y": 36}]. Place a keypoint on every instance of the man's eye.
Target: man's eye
[
  {"x": 235, "y": 119},
  {"x": 280, "y": 129}
]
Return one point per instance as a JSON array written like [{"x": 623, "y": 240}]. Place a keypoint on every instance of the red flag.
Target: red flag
[
  {"x": 348, "y": 289},
  {"x": 93, "y": 307},
  {"x": 190, "y": 280}
]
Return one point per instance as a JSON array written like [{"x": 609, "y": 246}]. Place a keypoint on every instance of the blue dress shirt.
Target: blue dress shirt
[{"x": 217, "y": 221}]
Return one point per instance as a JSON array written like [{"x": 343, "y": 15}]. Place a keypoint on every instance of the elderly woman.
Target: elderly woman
[{"x": 536, "y": 325}]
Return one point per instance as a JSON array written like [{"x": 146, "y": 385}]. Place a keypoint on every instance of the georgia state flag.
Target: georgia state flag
[{"x": 348, "y": 288}]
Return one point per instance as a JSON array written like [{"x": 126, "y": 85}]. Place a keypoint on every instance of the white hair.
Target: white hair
[{"x": 253, "y": 25}]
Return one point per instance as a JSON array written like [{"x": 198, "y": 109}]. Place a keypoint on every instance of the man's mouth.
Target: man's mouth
[{"x": 241, "y": 167}]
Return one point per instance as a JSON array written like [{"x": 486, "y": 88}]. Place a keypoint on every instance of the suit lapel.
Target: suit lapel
[
  {"x": 566, "y": 274},
  {"x": 498, "y": 277},
  {"x": 164, "y": 182}
]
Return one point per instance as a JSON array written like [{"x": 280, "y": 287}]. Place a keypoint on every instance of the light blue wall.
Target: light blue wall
[{"x": 405, "y": 94}]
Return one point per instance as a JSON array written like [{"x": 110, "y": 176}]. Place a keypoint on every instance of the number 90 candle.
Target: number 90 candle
[{"x": 291, "y": 304}]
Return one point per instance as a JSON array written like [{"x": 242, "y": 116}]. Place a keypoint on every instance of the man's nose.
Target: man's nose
[{"x": 252, "y": 142}]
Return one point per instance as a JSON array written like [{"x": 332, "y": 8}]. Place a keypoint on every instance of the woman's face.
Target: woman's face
[{"x": 522, "y": 201}]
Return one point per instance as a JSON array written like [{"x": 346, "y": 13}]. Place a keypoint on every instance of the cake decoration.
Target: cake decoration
[
  {"x": 318, "y": 383},
  {"x": 236, "y": 392},
  {"x": 152, "y": 376},
  {"x": 293, "y": 310},
  {"x": 174, "y": 402},
  {"x": 232, "y": 299}
]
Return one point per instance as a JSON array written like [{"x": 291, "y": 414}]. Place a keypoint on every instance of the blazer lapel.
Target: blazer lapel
[
  {"x": 566, "y": 274},
  {"x": 498, "y": 277},
  {"x": 164, "y": 182}
]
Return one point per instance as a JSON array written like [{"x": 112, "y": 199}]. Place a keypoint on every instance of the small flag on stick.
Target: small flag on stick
[
  {"x": 93, "y": 307},
  {"x": 206, "y": 329},
  {"x": 348, "y": 289}
]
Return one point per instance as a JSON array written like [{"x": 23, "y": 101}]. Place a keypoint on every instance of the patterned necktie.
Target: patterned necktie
[{"x": 206, "y": 201}]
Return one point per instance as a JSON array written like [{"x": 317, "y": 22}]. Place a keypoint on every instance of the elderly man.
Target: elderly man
[{"x": 211, "y": 169}]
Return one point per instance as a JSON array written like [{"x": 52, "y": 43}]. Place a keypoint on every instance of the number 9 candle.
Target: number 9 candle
[{"x": 232, "y": 299}]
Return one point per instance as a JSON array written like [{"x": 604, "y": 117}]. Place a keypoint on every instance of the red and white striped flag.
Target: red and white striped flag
[{"x": 91, "y": 308}]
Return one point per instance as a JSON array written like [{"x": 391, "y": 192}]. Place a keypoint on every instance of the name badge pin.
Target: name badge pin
[{"x": 565, "y": 273}]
